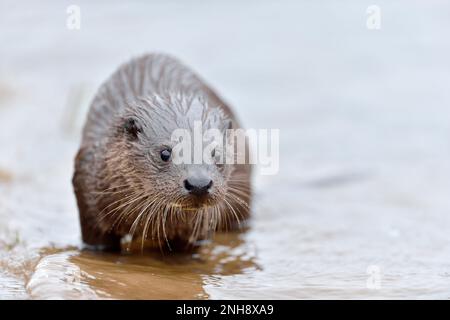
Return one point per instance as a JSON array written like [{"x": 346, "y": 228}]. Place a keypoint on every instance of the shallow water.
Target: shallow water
[{"x": 360, "y": 207}]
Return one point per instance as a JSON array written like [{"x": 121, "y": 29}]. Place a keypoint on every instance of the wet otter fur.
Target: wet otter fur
[{"x": 125, "y": 182}]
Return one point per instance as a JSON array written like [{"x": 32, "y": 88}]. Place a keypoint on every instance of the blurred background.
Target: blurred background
[{"x": 360, "y": 206}]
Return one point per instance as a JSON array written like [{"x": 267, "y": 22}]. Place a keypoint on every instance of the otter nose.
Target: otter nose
[{"x": 198, "y": 186}]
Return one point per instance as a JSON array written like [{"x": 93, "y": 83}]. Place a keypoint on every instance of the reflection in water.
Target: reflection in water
[{"x": 74, "y": 274}]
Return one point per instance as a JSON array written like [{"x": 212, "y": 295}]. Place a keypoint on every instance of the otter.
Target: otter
[{"x": 125, "y": 181}]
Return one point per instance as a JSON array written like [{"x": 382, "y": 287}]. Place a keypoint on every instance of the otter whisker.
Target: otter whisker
[
  {"x": 164, "y": 227},
  {"x": 112, "y": 188},
  {"x": 130, "y": 200},
  {"x": 132, "y": 229},
  {"x": 194, "y": 231},
  {"x": 238, "y": 200},
  {"x": 150, "y": 220},
  {"x": 120, "y": 200},
  {"x": 124, "y": 209},
  {"x": 245, "y": 194},
  {"x": 232, "y": 210}
]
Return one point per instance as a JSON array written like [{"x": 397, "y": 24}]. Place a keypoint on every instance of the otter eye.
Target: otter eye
[{"x": 165, "y": 155}]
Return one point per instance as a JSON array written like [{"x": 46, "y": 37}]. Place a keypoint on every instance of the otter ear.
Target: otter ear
[{"x": 132, "y": 127}]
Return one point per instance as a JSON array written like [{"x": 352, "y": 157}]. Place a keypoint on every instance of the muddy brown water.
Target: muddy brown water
[
  {"x": 75, "y": 274},
  {"x": 360, "y": 206}
]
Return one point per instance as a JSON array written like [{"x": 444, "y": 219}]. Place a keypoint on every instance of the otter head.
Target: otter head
[{"x": 150, "y": 160}]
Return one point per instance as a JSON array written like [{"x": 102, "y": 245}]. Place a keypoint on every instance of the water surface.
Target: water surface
[{"x": 360, "y": 207}]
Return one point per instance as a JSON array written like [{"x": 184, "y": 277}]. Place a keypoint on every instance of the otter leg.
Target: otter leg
[
  {"x": 84, "y": 183},
  {"x": 96, "y": 239}
]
